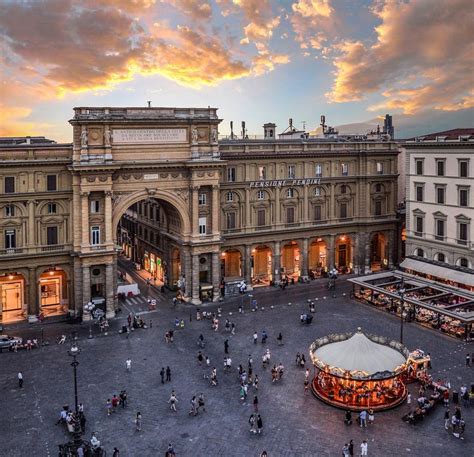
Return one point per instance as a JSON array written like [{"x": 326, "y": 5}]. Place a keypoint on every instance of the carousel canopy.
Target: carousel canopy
[{"x": 359, "y": 353}]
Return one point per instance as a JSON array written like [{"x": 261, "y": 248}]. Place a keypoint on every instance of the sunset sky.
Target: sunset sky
[{"x": 256, "y": 60}]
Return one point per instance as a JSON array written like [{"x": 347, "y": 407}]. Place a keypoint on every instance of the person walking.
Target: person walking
[
  {"x": 363, "y": 448},
  {"x": 138, "y": 422},
  {"x": 115, "y": 402},
  {"x": 108, "y": 405},
  {"x": 20, "y": 379},
  {"x": 226, "y": 346},
  {"x": 306, "y": 374},
  {"x": 468, "y": 360},
  {"x": 193, "y": 411},
  {"x": 201, "y": 402},
  {"x": 280, "y": 339},
  {"x": 168, "y": 374},
  {"x": 162, "y": 374},
  {"x": 128, "y": 365},
  {"x": 345, "y": 450},
  {"x": 363, "y": 418},
  {"x": 255, "y": 382},
  {"x": 264, "y": 336},
  {"x": 252, "y": 422},
  {"x": 255, "y": 337},
  {"x": 255, "y": 403},
  {"x": 116, "y": 452},
  {"x": 259, "y": 424},
  {"x": 371, "y": 416},
  {"x": 409, "y": 400},
  {"x": 200, "y": 358},
  {"x": 446, "y": 418},
  {"x": 306, "y": 386},
  {"x": 351, "y": 448},
  {"x": 172, "y": 401}
]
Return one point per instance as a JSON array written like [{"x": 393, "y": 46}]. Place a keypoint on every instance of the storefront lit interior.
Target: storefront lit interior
[
  {"x": 431, "y": 303},
  {"x": 317, "y": 258},
  {"x": 343, "y": 260},
  {"x": 12, "y": 292},
  {"x": 290, "y": 260},
  {"x": 231, "y": 264},
  {"x": 261, "y": 266},
  {"x": 53, "y": 293}
]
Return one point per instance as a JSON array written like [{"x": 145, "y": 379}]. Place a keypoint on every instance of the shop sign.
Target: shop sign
[{"x": 285, "y": 182}]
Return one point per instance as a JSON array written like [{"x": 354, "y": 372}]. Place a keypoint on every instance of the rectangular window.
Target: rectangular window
[
  {"x": 95, "y": 235},
  {"x": 462, "y": 233},
  {"x": 418, "y": 226},
  {"x": 319, "y": 170},
  {"x": 202, "y": 199},
  {"x": 440, "y": 195},
  {"x": 291, "y": 171},
  {"x": 440, "y": 167},
  {"x": 290, "y": 215},
  {"x": 378, "y": 207},
  {"x": 463, "y": 197},
  {"x": 379, "y": 168},
  {"x": 9, "y": 184},
  {"x": 439, "y": 230},
  {"x": 419, "y": 167},
  {"x": 231, "y": 174},
  {"x": 260, "y": 195},
  {"x": 52, "y": 208},
  {"x": 262, "y": 173},
  {"x": 343, "y": 210},
  {"x": 95, "y": 206},
  {"x": 51, "y": 235},
  {"x": 317, "y": 213},
  {"x": 10, "y": 239},
  {"x": 51, "y": 183},
  {"x": 202, "y": 225},
  {"x": 463, "y": 168},
  {"x": 261, "y": 217},
  {"x": 419, "y": 193},
  {"x": 344, "y": 169},
  {"x": 9, "y": 211},
  {"x": 231, "y": 220}
]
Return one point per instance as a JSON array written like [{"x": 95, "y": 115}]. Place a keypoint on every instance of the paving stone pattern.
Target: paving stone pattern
[{"x": 295, "y": 424}]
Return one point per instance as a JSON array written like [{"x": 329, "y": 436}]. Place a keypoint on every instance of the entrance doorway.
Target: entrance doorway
[
  {"x": 317, "y": 261},
  {"x": 378, "y": 259},
  {"x": 290, "y": 260},
  {"x": 231, "y": 264},
  {"x": 261, "y": 266},
  {"x": 12, "y": 297},
  {"x": 53, "y": 293},
  {"x": 344, "y": 254}
]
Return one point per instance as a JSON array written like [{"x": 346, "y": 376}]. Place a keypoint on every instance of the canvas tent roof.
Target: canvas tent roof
[{"x": 359, "y": 353}]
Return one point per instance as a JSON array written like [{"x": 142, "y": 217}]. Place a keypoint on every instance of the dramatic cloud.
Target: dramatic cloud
[
  {"x": 422, "y": 58},
  {"x": 195, "y": 9},
  {"x": 313, "y": 22}
]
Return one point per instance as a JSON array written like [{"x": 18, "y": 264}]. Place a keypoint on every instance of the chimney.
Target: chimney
[
  {"x": 269, "y": 131},
  {"x": 149, "y": 103},
  {"x": 231, "y": 130}
]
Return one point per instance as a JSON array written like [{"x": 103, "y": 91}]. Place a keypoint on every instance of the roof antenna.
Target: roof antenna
[{"x": 149, "y": 103}]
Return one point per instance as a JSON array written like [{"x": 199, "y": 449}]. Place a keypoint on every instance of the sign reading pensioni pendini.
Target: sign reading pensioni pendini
[{"x": 285, "y": 182}]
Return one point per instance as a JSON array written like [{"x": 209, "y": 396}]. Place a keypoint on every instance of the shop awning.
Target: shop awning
[{"x": 438, "y": 271}]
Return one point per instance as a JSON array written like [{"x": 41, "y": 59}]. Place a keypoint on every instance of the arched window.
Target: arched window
[
  {"x": 441, "y": 257},
  {"x": 230, "y": 196},
  {"x": 290, "y": 193},
  {"x": 378, "y": 187},
  {"x": 463, "y": 262},
  {"x": 260, "y": 195},
  {"x": 343, "y": 189},
  {"x": 420, "y": 252}
]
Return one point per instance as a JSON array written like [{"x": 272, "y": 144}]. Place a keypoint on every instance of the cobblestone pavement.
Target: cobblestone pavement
[{"x": 294, "y": 424}]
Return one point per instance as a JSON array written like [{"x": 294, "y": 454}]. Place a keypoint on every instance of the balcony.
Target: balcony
[
  {"x": 53, "y": 247},
  {"x": 11, "y": 251}
]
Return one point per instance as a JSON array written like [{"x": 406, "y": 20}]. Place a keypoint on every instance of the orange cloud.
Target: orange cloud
[
  {"x": 313, "y": 22},
  {"x": 195, "y": 9},
  {"x": 422, "y": 58}
]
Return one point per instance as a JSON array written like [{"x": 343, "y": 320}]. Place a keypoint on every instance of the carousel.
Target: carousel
[{"x": 357, "y": 371}]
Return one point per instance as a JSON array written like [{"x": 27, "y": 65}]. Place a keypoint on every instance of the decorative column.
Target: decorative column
[
  {"x": 390, "y": 247},
  {"x": 195, "y": 210},
  {"x": 215, "y": 210},
  {"x": 188, "y": 279},
  {"x": 356, "y": 253},
  {"x": 33, "y": 305},
  {"x": 277, "y": 206},
  {"x": 86, "y": 286},
  {"x": 305, "y": 204},
  {"x": 331, "y": 252},
  {"x": 110, "y": 288},
  {"x": 248, "y": 265},
  {"x": 332, "y": 206},
  {"x": 195, "y": 280},
  {"x": 31, "y": 223},
  {"x": 304, "y": 259},
  {"x": 85, "y": 218},
  {"x": 367, "y": 257},
  {"x": 216, "y": 277},
  {"x": 276, "y": 262},
  {"x": 109, "y": 238},
  {"x": 247, "y": 208}
]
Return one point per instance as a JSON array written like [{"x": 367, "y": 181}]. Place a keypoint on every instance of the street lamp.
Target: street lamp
[
  {"x": 401, "y": 293},
  {"x": 71, "y": 448}
]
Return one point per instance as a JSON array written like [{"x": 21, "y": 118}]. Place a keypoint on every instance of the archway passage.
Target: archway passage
[
  {"x": 12, "y": 297},
  {"x": 53, "y": 292},
  {"x": 344, "y": 254},
  {"x": 261, "y": 266},
  {"x": 317, "y": 258},
  {"x": 290, "y": 260},
  {"x": 379, "y": 255},
  {"x": 150, "y": 234},
  {"x": 231, "y": 262}
]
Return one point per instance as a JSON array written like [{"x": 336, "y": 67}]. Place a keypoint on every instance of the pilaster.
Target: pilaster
[
  {"x": 276, "y": 262},
  {"x": 110, "y": 287},
  {"x": 216, "y": 277},
  {"x": 195, "y": 283}
]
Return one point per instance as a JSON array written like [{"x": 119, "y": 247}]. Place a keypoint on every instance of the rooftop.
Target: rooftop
[
  {"x": 463, "y": 134},
  {"x": 24, "y": 140}
]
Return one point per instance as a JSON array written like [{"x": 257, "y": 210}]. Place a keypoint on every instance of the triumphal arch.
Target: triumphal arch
[{"x": 122, "y": 156}]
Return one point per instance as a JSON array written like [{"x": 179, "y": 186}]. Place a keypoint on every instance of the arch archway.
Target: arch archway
[
  {"x": 261, "y": 265},
  {"x": 12, "y": 296},
  {"x": 231, "y": 263},
  {"x": 378, "y": 256},
  {"x": 290, "y": 260},
  {"x": 343, "y": 259},
  {"x": 317, "y": 257},
  {"x": 53, "y": 293},
  {"x": 125, "y": 202}
]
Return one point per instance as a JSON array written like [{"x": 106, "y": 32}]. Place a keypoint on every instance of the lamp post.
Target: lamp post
[
  {"x": 74, "y": 351},
  {"x": 401, "y": 293}
]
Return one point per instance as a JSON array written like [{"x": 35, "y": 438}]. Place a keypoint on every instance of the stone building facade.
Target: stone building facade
[{"x": 156, "y": 185}]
